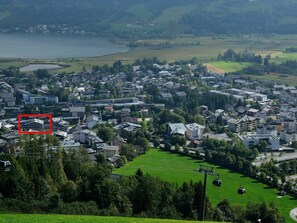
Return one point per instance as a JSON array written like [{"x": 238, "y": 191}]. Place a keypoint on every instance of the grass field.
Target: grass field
[
  {"x": 32, "y": 218},
  {"x": 179, "y": 169}
]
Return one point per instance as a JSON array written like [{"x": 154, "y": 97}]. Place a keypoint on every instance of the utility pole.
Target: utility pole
[{"x": 206, "y": 170}]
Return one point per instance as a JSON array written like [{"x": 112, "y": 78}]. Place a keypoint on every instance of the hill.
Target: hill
[
  {"x": 29, "y": 218},
  {"x": 132, "y": 18},
  {"x": 178, "y": 169}
]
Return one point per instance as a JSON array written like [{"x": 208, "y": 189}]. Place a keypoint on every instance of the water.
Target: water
[
  {"x": 32, "y": 67},
  {"x": 41, "y": 46}
]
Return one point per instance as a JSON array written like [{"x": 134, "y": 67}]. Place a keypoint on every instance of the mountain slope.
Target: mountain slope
[{"x": 155, "y": 17}]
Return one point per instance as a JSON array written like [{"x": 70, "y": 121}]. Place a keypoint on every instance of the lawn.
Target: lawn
[
  {"x": 32, "y": 218},
  {"x": 178, "y": 169}
]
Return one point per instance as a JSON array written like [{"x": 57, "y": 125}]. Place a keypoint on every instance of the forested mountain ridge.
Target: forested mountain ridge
[{"x": 155, "y": 17}]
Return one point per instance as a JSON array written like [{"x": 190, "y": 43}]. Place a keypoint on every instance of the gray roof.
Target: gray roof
[{"x": 177, "y": 128}]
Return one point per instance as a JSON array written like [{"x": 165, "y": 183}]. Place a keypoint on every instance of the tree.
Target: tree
[
  {"x": 100, "y": 159},
  {"x": 106, "y": 133},
  {"x": 42, "y": 74},
  {"x": 177, "y": 148},
  {"x": 69, "y": 191},
  {"x": 167, "y": 146},
  {"x": 263, "y": 145},
  {"x": 266, "y": 61},
  {"x": 128, "y": 151},
  {"x": 143, "y": 143},
  {"x": 186, "y": 150},
  {"x": 122, "y": 161}
]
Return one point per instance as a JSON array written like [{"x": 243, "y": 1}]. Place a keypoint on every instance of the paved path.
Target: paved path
[{"x": 293, "y": 214}]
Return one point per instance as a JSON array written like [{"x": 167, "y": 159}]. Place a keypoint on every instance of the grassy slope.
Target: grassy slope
[
  {"x": 31, "y": 218},
  {"x": 179, "y": 169}
]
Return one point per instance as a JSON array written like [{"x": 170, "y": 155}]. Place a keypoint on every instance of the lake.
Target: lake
[
  {"x": 47, "y": 46},
  {"x": 33, "y": 67}
]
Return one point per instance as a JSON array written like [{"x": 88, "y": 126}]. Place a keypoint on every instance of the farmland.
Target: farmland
[{"x": 178, "y": 169}]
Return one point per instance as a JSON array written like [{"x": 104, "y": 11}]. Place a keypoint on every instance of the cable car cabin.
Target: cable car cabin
[
  {"x": 282, "y": 193},
  {"x": 5, "y": 165},
  {"x": 217, "y": 182},
  {"x": 241, "y": 191}
]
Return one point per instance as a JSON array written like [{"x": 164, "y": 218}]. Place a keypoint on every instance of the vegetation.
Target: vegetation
[
  {"x": 288, "y": 67},
  {"x": 29, "y": 218},
  {"x": 44, "y": 179},
  {"x": 291, "y": 50},
  {"x": 177, "y": 168},
  {"x": 232, "y": 55}
]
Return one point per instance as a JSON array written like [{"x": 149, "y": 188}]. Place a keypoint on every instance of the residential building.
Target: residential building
[
  {"x": 245, "y": 124},
  {"x": 177, "y": 129},
  {"x": 83, "y": 136},
  {"x": 194, "y": 131},
  {"x": 92, "y": 121},
  {"x": 77, "y": 111},
  {"x": 253, "y": 140},
  {"x": 110, "y": 151},
  {"x": 33, "y": 124},
  {"x": 266, "y": 130}
]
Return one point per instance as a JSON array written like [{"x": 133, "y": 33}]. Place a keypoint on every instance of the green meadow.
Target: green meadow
[
  {"x": 178, "y": 169},
  {"x": 50, "y": 218}
]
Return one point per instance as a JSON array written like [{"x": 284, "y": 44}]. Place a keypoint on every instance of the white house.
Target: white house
[
  {"x": 252, "y": 140},
  {"x": 194, "y": 131},
  {"x": 83, "y": 136}
]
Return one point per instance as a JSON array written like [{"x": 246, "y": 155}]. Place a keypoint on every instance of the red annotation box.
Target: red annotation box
[{"x": 38, "y": 120}]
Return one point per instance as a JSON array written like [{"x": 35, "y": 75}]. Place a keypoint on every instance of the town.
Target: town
[{"x": 123, "y": 110}]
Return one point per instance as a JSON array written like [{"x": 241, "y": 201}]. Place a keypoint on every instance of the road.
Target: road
[{"x": 283, "y": 157}]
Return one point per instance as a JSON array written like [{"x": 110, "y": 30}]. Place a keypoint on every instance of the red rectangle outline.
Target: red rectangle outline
[{"x": 50, "y": 116}]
